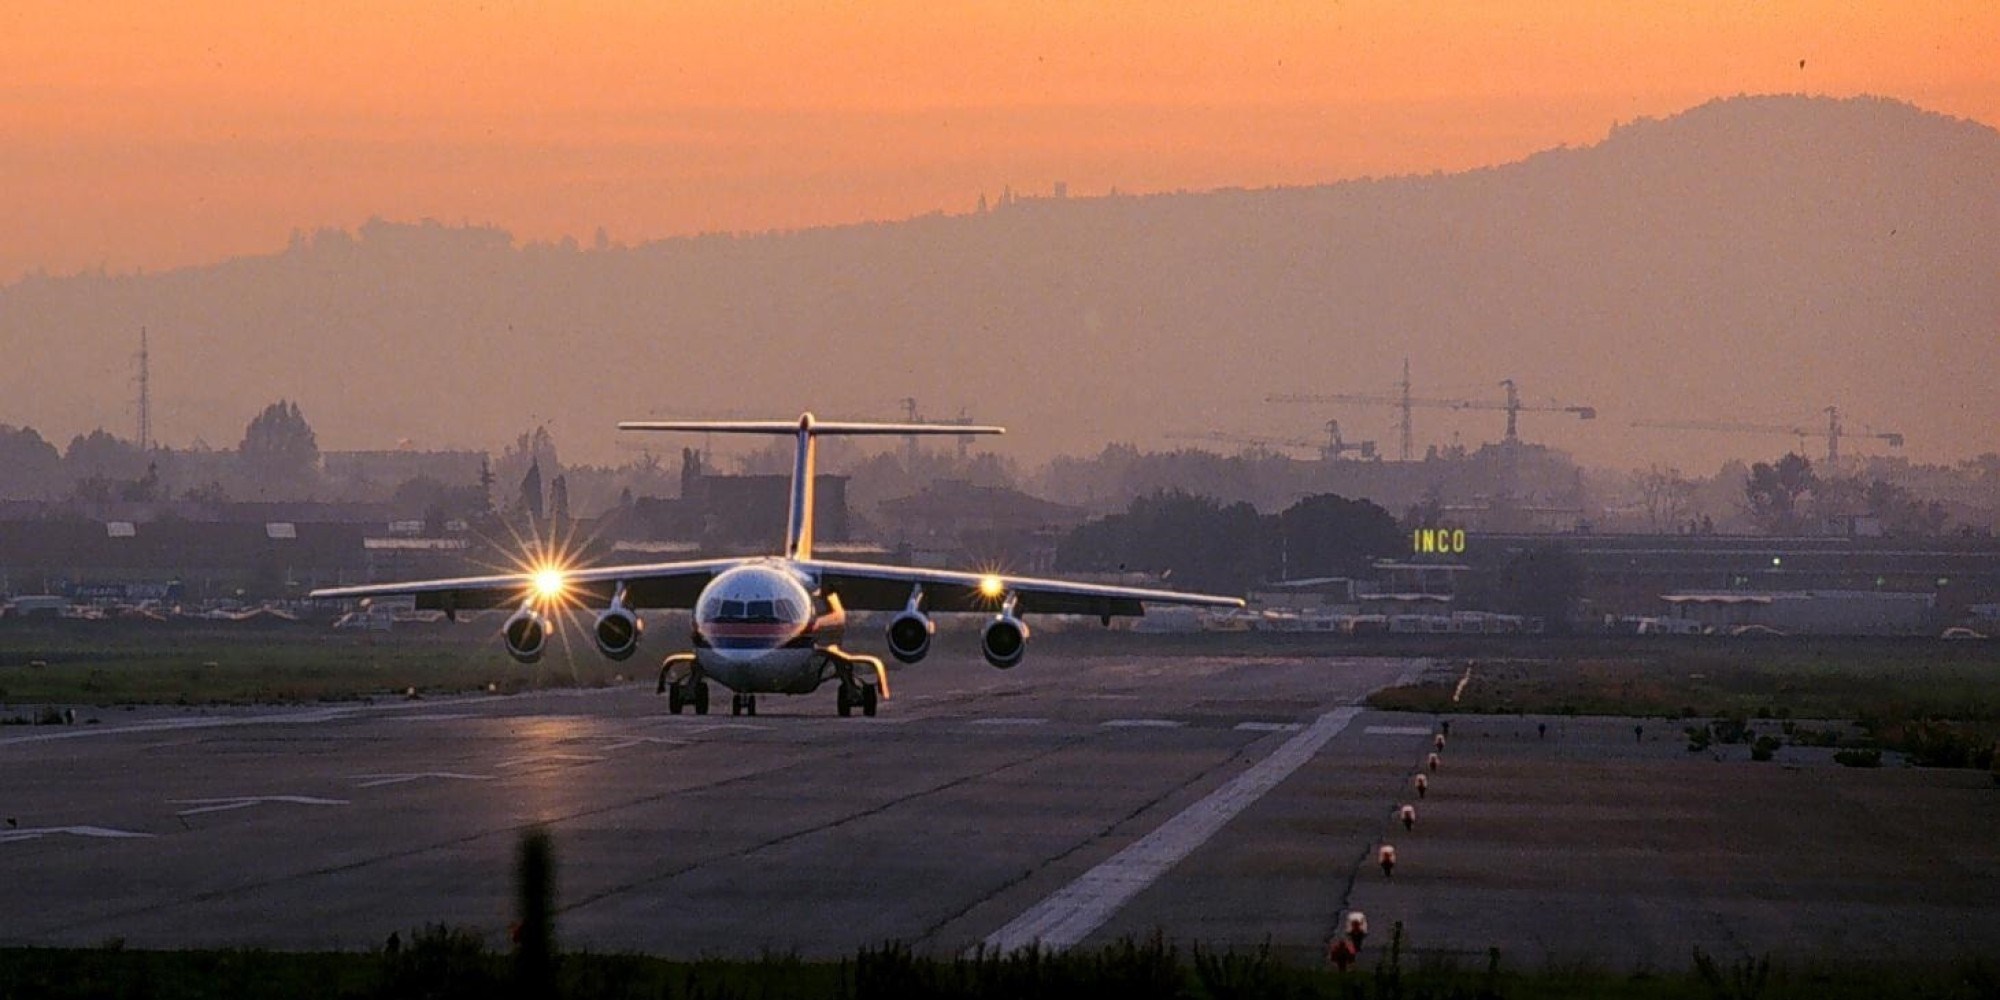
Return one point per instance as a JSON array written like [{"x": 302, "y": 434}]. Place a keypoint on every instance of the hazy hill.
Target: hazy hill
[{"x": 1750, "y": 259}]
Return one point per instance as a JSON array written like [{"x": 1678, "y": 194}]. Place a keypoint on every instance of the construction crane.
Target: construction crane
[
  {"x": 1833, "y": 432},
  {"x": 1513, "y": 405},
  {"x": 1330, "y": 450},
  {"x": 912, "y": 415}
]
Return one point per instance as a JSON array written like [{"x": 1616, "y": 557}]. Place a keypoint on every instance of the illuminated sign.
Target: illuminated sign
[{"x": 1432, "y": 541}]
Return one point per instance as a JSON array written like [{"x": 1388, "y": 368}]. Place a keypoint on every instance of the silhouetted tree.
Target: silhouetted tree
[
  {"x": 211, "y": 493},
  {"x": 1194, "y": 540},
  {"x": 100, "y": 455},
  {"x": 485, "y": 485},
  {"x": 279, "y": 447},
  {"x": 29, "y": 466},
  {"x": 1667, "y": 496},
  {"x": 531, "y": 491},
  {"x": 145, "y": 488},
  {"x": 1329, "y": 535},
  {"x": 1775, "y": 490},
  {"x": 559, "y": 498},
  {"x": 536, "y": 448}
]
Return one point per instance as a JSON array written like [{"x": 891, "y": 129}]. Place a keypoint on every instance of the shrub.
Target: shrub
[
  {"x": 1764, "y": 747},
  {"x": 1934, "y": 744},
  {"x": 1862, "y": 758},
  {"x": 1732, "y": 729}
]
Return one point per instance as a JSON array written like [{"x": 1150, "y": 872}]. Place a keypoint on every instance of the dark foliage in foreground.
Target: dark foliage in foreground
[{"x": 441, "y": 963}]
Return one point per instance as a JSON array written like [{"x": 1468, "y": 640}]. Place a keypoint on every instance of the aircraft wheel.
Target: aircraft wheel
[
  {"x": 674, "y": 700},
  {"x": 701, "y": 698},
  {"x": 843, "y": 700},
  {"x": 749, "y": 704},
  {"x": 868, "y": 699},
  {"x": 735, "y": 704}
]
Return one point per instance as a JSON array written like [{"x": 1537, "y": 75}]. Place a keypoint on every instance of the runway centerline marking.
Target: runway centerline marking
[
  {"x": 98, "y": 832},
  {"x": 1270, "y": 727},
  {"x": 1142, "y": 724},
  {"x": 246, "y": 801},
  {"x": 379, "y": 780},
  {"x": 1069, "y": 914},
  {"x": 1004, "y": 721},
  {"x": 627, "y": 742},
  {"x": 554, "y": 758}
]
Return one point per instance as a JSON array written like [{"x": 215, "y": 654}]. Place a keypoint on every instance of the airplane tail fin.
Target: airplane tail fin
[{"x": 799, "y": 522}]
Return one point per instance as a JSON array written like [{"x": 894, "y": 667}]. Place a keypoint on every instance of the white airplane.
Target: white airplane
[{"x": 773, "y": 625}]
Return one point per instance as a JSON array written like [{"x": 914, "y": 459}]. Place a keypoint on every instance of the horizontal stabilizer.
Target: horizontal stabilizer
[{"x": 804, "y": 423}]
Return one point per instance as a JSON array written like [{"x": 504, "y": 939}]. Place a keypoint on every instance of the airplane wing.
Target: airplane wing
[
  {"x": 861, "y": 586},
  {"x": 868, "y": 587},
  {"x": 654, "y": 585}
]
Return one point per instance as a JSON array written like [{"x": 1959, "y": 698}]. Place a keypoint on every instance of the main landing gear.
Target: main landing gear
[
  {"x": 692, "y": 694},
  {"x": 686, "y": 689},
  {"x": 852, "y": 693},
  {"x": 849, "y": 696},
  {"x": 743, "y": 704}
]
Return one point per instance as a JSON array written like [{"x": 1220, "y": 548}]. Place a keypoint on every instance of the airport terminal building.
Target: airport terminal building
[{"x": 1815, "y": 585}]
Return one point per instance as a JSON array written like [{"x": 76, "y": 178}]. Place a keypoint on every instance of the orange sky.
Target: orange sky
[{"x": 151, "y": 135}]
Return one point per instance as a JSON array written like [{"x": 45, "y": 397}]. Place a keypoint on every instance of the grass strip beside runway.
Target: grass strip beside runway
[
  {"x": 1936, "y": 702},
  {"x": 442, "y": 963}
]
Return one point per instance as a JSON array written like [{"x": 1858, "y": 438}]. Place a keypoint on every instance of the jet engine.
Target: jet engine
[
  {"x": 526, "y": 635},
  {"x": 1004, "y": 641},
  {"x": 617, "y": 632},
  {"x": 910, "y": 636}
]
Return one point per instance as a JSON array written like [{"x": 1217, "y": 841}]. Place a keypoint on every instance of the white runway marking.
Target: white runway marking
[
  {"x": 246, "y": 801},
  {"x": 379, "y": 780},
  {"x": 628, "y": 742},
  {"x": 1269, "y": 727},
  {"x": 1143, "y": 724},
  {"x": 333, "y": 714},
  {"x": 720, "y": 726},
  {"x": 1010, "y": 722},
  {"x": 561, "y": 758},
  {"x": 37, "y": 833},
  {"x": 1072, "y": 912},
  {"x": 1397, "y": 731},
  {"x": 174, "y": 725}
]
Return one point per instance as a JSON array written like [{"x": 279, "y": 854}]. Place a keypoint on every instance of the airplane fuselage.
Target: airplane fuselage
[{"x": 760, "y": 628}]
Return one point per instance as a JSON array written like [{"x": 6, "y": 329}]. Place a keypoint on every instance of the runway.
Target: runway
[{"x": 1075, "y": 799}]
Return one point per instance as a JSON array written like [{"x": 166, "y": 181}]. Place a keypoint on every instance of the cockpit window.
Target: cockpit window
[
  {"x": 760, "y": 611},
  {"x": 787, "y": 611},
  {"x": 732, "y": 611}
]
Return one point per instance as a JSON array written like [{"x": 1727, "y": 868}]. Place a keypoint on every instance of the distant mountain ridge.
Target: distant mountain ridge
[{"x": 1751, "y": 258}]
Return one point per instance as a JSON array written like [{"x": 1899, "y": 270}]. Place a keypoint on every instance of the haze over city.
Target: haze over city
[{"x": 1684, "y": 271}]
